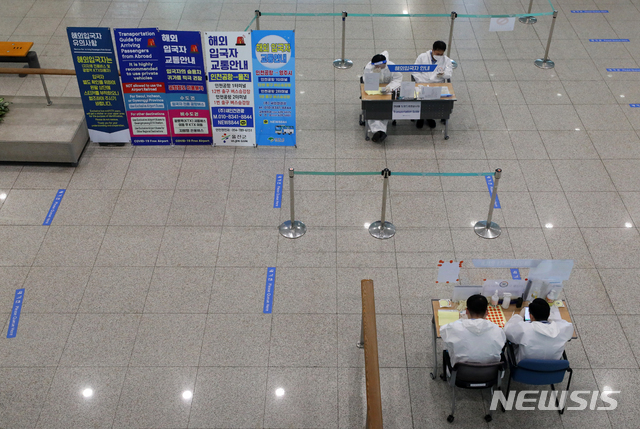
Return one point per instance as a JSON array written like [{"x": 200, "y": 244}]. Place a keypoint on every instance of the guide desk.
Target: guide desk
[
  {"x": 435, "y": 304},
  {"x": 380, "y": 107}
]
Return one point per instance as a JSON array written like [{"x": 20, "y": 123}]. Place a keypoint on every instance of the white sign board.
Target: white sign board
[
  {"x": 408, "y": 90},
  {"x": 406, "y": 110},
  {"x": 502, "y": 24},
  {"x": 229, "y": 69},
  {"x": 372, "y": 81}
]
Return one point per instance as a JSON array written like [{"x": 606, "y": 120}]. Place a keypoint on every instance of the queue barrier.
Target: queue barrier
[
  {"x": 344, "y": 63},
  {"x": 382, "y": 229}
]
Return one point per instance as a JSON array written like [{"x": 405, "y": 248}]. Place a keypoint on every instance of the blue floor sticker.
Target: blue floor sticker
[
  {"x": 54, "y": 207},
  {"x": 489, "y": 180},
  {"x": 589, "y": 11},
  {"x": 15, "y": 313},
  {"x": 608, "y": 40},
  {"x": 277, "y": 196},
  {"x": 268, "y": 290},
  {"x": 634, "y": 105},
  {"x": 623, "y": 70},
  {"x": 515, "y": 274}
]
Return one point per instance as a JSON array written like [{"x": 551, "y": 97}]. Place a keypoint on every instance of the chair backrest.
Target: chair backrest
[
  {"x": 539, "y": 372},
  {"x": 477, "y": 375}
]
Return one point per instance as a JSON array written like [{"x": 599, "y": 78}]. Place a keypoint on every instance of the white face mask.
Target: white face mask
[{"x": 438, "y": 57}]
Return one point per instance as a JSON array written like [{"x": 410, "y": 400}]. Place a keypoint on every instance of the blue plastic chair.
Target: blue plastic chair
[{"x": 538, "y": 372}]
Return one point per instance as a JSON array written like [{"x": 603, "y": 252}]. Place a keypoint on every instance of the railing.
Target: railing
[
  {"x": 369, "y": 341},
  {"x": 41, "y": 72}
]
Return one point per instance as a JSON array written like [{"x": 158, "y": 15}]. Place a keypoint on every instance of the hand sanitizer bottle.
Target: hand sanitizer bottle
[{"x": 495, "y": 298}]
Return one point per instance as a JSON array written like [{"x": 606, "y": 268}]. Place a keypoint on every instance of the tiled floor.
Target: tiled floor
[{"x": 150, "y": 281}]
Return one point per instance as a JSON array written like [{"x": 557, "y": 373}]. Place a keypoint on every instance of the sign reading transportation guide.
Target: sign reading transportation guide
[
  {"x": 406, "y": 110},
  {"x": 99, "y": 84},
  {"x": 143, "y": 80},
  {"x": 186, "y": 88},
  {"x": 229, "y": 67},
  {"x": 274, "y": 70}
]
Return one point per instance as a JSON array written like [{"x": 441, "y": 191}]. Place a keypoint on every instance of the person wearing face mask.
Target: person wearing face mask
[
  {"x": 442, "y": 72},
  {"x": 378, "y": 64}
]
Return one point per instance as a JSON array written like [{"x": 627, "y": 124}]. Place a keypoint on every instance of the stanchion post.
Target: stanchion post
[
  {"x": 258, "y": 15},
  {"x": 488, "y": 229},
  {"x": 454, "y": 15},
  {"x": 528, "y": 19},
  {"x": 383, "y": 229},
  {"x": 46, "y": 92},
  {"x": 342, "y": 62},
  {"x": 292, "y": 228},
  {"x": 546, "y": 63}
]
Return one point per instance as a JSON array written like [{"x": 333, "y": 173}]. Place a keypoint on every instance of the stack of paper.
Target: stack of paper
[{"x": 447, "y": 316}]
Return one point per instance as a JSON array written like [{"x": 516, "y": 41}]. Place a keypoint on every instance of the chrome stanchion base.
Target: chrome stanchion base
[
  {"x": 454, "y": 64},
  {"x": 492, "y": 232},
  {"x": 342, "y": 63},
  {"x": 528, "y": 19},
  {"x": 542, "y": 64},
  {"x": 377, "y": 230},
  {"x": 360, "y": 345},
  {"x": 297, "y": 230}
]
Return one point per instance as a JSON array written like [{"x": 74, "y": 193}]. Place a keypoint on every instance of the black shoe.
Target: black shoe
[
  {"x": 376, "y": 136},
  {"x": 420, "y": 123},
  {"x": 431, "y": 123},
  {"x": 383, "y": 136}
]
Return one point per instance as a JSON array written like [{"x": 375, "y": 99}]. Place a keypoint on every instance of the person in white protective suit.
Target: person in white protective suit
[
  {"x": 378, "y": 64},
  {"x": 472, "y": 340},
  {"x": 443, "y": 71},
  {"x": 541, "y": 338}
]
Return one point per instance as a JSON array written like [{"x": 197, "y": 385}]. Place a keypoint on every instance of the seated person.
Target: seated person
[
  {"x": 378, "y": 64},
  {"x": 440, "y": 74},
  {"x": 475, "y": 339},
  {"x": 540, "y": 338}
]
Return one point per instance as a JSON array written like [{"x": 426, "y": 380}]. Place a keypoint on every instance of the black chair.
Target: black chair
[
  {"x": 538, "y": 372},
  {"x": 472, "y": 376}
]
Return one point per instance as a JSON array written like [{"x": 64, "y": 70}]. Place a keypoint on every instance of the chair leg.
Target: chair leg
[
  {"x": 568, "y": 386},
  {"x": 453, "y": 401},
  {"x": 488, "y": 416},
  {"x": 508, "y": 391}
]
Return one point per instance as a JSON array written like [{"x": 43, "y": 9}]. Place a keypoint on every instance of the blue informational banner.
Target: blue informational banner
[
  {"x": 413, "y": 68},
  {"x": 489, "y": 180},
  {"x": 277, "y": 195},
  {"x": 144, "y": 83},
  {"x": 274, "y": 86},
  {"x": 189, "y": 117},
  {"x": 634, "y": 105},
  {"x": 97, "y": 72},
  {"x": 267, "y": 307},
  {"x": 608, "y": 40},
  {"x": 623, "y": 70}
]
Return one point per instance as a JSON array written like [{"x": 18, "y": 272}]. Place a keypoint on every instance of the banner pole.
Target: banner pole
[
  {"x": 528, "y": 19},
  {"x": 454, "y": 15},
  {"x": 546, "y": 63},
  {"x": 258, "y": 14},
  {"x": 382, "y": 229},
  {"x": 488, "y": 229}
]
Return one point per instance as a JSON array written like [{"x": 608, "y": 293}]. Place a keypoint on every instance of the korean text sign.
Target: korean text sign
[
  {"x": 97, "y": 73},
  {"x": 231, "y": 94},
  {"x": 143, "y": 79},
  {"x": 274, "y": 85},
  {"x": 189, "y": 119}
]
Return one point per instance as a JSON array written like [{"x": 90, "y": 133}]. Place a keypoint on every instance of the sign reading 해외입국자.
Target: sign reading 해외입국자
[
  {"x": 413, "y": 68},
  {"x": 274, "y": 84},
  {"x": 189, "y": 118},
  {"x": 230, "y": 88},
  {"x": 99, "y": 83},
  {"x": 143, "y": 81}
]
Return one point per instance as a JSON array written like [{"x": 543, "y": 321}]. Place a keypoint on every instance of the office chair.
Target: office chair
[
  {"x": 538, "y": 372},
  {"x": 472, "y": 376}
]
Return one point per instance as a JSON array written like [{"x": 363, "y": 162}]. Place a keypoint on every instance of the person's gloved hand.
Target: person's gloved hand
[{"x": 388, "y": 88}]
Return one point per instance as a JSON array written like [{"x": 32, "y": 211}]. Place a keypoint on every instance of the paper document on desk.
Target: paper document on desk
[
  {"x": 371, "y": 81},
  {"x": 373, "y": 92},
  {"x": 445, "y": 91},
  {"x": 430, "y": 92},
  {"x": 447, "y": 316}
]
